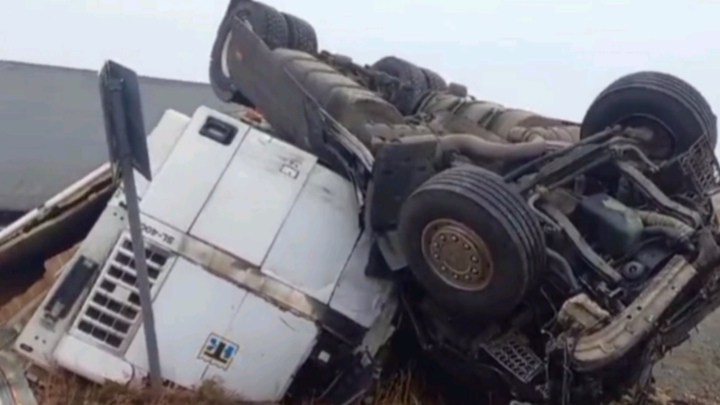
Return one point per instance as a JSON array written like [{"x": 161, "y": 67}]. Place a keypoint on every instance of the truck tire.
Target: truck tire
[
  {"x": 411, "y": 75},
  {"x": 472, "y": 242},
  {"x": 302, "y": 36},
  {"x": 434, "y": 81},
  {"x": 220, "y": 82},
  {"x": 266, "y": 22},
  {"x": 676, "y": 112},
  {"x": 345, "y": 100}
]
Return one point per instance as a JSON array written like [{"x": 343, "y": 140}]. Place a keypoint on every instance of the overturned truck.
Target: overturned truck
[
  {"x": 561, "y": 259},
  {"x": 557, "y": 261}
]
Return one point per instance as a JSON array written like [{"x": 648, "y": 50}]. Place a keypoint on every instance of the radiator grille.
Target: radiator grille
[{"x": 112, "y": 310}]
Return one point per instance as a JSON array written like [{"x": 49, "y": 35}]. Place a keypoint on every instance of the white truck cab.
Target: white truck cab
[{"x": 257, "y": 268}]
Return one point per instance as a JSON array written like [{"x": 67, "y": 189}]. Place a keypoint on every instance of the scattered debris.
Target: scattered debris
[{"x": 14, "y": 386}]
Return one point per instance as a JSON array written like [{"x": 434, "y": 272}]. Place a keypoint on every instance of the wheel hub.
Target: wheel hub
[
  {"x": 662, "y": 145},
  {"x": 457, "y": 255}
]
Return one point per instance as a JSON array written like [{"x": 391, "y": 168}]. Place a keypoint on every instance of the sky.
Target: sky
[{"x": 549, "y": 56}]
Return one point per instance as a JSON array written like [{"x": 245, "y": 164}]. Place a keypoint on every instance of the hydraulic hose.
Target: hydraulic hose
[
  {"x": 655, "y": 219},
  {"x": 666, "y": 226},
  {"x": 564, "y": 270}
]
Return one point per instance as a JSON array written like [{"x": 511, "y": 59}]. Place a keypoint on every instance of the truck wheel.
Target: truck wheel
[
  {"x": 673, "y": 109},
  {"x": 434, "y": 81},
  {"x": 302, "y": 36},
  {"x": 219, "y": 71},
  {"x": 411, "y": 75},
  {"x": 472, "y": 242},
  {"x": 266, "y": 22}
]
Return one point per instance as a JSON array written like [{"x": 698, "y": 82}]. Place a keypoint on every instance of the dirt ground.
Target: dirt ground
[{"x": 694, "y": 367}]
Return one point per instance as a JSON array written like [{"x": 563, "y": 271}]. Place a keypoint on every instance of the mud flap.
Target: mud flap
[
  {"x": 254, "y": 68},
  {"x": 400, "y": 167}
]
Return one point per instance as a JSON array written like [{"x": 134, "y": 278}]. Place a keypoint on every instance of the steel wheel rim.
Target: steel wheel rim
[
  {"x": 663, "y": 143},
  {"x": 457, "y": 255},
  {"x": 224, "y": 63}
]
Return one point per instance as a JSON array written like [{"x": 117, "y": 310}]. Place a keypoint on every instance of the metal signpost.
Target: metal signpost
[{"x": 127, "y": 146}]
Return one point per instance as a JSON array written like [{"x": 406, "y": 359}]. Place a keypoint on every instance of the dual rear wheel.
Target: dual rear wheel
[{"x": 276, "y": 29}]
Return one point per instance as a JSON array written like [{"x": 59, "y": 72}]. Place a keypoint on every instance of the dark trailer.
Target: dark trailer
[{"x": 52, "y": 129}]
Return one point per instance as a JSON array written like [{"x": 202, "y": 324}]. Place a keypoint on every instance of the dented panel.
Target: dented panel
[
  {"x": 192, "y": 305},
  {"x": 271, "y": 345},
  {"x": 311, "y": 260},
  {"x": 357, "y": 296}
]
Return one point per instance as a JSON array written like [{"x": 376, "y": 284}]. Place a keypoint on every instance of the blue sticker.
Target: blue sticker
[{"x": 218, "y": 351}]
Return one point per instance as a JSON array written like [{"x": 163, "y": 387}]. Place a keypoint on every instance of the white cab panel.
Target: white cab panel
[
  {"x": 357, "y": 296},
  {"x": 259, "y": 200},
  {"x": 93, "y": 363},
  {"x": 254, "y": 196},
  {"x": 187, "y": 178},
  {"x": 316, "y": 240},
  {"x": 272, "y": 344},
  {"x": 161, "y": 142},
  {"x": 191, "y": 305}
]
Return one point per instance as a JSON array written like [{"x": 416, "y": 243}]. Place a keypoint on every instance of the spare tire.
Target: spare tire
[
  {"x": 301, "y": 35},
  {"x": 674, "y": 110},
  {"x": 472, "y": 242},
  {"x": 411, "y": 75},
  {"x": 266, "y": 22}
]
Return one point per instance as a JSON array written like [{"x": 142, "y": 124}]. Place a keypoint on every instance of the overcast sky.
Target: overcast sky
[{"x": 551, "y": 56}]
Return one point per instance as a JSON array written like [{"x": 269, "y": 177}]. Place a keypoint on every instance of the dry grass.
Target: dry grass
[
  {"x": 403, "y": 389},
  {"x": 67, "y": 389}
]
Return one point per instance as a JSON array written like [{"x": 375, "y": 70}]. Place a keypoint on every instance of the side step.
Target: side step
[{"x": 511, "y": 352}]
